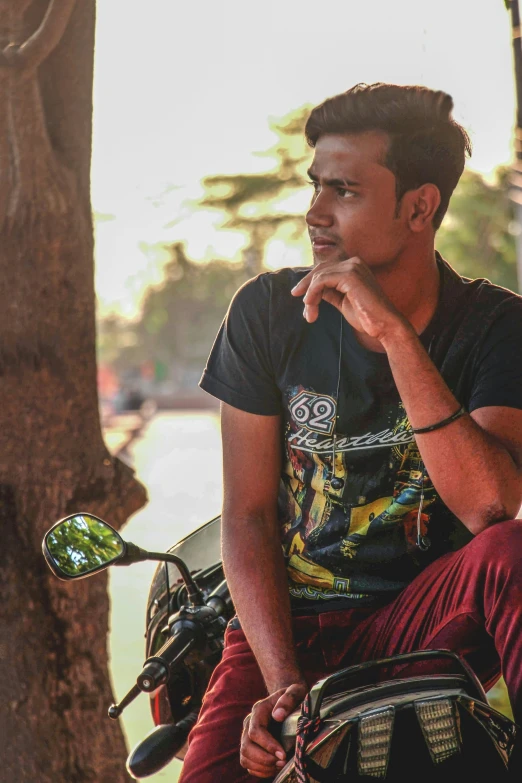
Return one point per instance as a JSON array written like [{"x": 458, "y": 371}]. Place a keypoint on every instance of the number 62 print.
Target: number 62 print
[{"x": 314, "y": 411}]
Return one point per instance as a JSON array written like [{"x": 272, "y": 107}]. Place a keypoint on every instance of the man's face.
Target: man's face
[{"x": 353, "y": 210}]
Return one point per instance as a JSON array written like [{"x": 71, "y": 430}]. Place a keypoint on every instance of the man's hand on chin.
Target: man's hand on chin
[
  {"x": 261, "y": 754},
  {"x": 351, "y": 287}
]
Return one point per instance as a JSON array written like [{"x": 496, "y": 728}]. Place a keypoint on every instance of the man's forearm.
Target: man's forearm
[
  {"x": 256, "y": 575},
  {"x": 473, "y": 473}
]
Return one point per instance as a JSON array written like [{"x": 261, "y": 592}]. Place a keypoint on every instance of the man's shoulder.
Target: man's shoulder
[
  {"x": 283, "y": 279},
  {"x": 478, "y": 320},
  {"x": 478, "y": 295},
  {"x": 270, "y": 288}
]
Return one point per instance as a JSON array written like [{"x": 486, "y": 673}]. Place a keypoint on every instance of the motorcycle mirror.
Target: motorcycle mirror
[{"x": 81, "y": 544}]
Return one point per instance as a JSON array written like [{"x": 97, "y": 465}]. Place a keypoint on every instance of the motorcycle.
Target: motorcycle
[{"x": 382, "y": 719}]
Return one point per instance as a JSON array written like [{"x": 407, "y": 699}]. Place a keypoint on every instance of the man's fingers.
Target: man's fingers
[
  {"x": 262, "y": 773},
  {"x": 257, "y": 730},
  {"x": 268, "y": 770},
  {"x": 260, "y": 753},
  {"x": 317, "y": 285},
  {"x": 310, "y": 313},
  {"x": 288, "y": 701},
  {"x": 323, "y": 286},
  {"x": 326, "y": 280},
  {"x": 254, "y": 757},
  {"x": 249, "y": 758},
  {"x": 260, "y": 736},
  {"x": 302, "y": 285}
]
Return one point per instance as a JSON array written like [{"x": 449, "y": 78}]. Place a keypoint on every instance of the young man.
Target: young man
[{"x": 372, "y": 442}]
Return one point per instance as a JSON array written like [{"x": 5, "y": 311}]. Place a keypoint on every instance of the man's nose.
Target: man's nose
[{"x": 319, "y": 213}]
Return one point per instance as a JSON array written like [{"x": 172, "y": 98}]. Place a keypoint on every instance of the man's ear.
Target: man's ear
[{"x": 421, "y": 205}]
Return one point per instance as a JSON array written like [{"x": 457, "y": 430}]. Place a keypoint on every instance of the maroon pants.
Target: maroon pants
[{"x": 468, "y": 601}]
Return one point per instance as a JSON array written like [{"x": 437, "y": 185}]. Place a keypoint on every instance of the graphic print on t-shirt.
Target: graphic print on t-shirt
[
  {"x": 325, "y": 530},
  {"x": 316, "y": 412}
]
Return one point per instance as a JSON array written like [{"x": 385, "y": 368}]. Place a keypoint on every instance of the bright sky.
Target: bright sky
[{"x": 183, "y": 90}]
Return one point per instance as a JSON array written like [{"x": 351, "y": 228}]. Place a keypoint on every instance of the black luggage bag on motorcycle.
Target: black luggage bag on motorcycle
[{"x": 389, "y": 720}]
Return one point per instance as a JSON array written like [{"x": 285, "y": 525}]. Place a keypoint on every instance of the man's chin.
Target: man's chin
[
  {"x": 330, "y": 253},
  {"x": 337, "y": 254}
]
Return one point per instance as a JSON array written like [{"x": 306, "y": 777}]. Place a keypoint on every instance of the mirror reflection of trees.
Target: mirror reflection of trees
[{"x": 82, "y": 544}]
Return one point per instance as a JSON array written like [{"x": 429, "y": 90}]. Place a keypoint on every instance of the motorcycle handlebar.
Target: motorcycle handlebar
[
  {"x": 220, "y": 599},
  {"x": 189, "y": 628},
  {"x": 156, "y": 670},
  {"x": 186, "y": 634}
]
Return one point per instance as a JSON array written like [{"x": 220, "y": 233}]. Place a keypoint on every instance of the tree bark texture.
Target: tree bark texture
[{"x": 54, "y": 688}]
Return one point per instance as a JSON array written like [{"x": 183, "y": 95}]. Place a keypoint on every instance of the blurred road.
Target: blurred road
[{"x": 178, "y": 458}]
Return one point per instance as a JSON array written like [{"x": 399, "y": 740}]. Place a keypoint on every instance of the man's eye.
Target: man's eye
[
  {"x": 344, "y": 193},
  {"x": 315, "y": 185}
]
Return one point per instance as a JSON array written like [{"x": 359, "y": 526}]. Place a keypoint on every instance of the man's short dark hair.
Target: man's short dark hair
[{"x": 426, "y": 143}]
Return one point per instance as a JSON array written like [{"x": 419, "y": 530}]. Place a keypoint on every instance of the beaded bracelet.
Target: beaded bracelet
[{"x": 422, "y": 430}]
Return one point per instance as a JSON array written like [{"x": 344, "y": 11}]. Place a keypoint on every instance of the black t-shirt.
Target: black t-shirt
[{"x": 357, "y": 543}]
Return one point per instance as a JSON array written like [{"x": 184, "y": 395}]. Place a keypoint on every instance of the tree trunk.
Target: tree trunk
[{"x": 54, "y": 689}]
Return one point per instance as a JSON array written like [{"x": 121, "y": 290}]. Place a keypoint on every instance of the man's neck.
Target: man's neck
[{"x": 412, "y": 284}]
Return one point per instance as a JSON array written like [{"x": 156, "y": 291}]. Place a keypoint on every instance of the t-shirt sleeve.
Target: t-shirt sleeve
[
  {"x": 239, "y": 369},
  {"x": 498, "y": 379}
]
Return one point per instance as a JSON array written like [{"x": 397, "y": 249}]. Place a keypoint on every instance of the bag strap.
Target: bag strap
[{"x": 307, "y": 729}]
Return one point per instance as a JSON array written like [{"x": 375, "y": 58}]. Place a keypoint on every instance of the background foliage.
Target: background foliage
[{"x": 180, "y": 317}]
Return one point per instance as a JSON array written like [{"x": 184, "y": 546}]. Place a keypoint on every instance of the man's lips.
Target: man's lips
[
  {"x": 322, "y": 241},
  {"x": 319, "y": 243}
]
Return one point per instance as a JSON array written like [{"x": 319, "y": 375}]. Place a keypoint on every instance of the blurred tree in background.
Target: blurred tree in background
[
  {"x": 179, "y": 320},
  {"x": 478, "y": 233},
  {"x": 260, "y": 205},
  {"x": 180, "y": 317}
]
